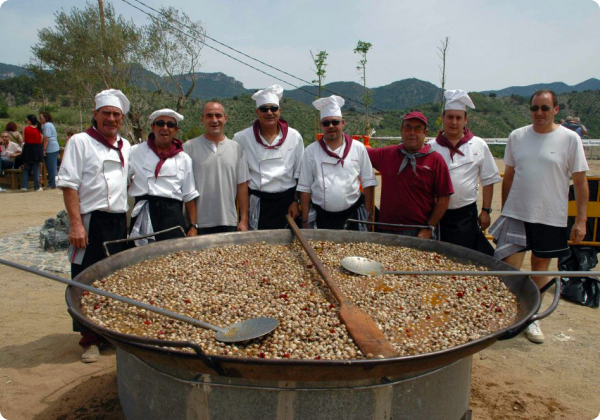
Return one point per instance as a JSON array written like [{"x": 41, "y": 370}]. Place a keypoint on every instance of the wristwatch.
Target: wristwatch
[
  {"x": 195, "y": 225},
  {"x": 488, "y": 209}
]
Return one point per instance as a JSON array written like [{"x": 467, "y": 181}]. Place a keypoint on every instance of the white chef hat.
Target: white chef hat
[
  {"x": 457, "y": 99},
  {"x": 112, "y": 97},
  {"x": 166, "y": 113},
  {"x": 330, "y": 107},
  {"x": 270, "y": 95}
]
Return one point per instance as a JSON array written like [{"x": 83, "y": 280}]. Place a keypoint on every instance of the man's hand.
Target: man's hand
[
  {"x": 484, "y": 220},
  {"x": 578, "y": 232},
  {"x": 192, "y": 231},
  {"x": 294, "y": 210},
  {"x": 242, "y": 226},
  {"x": 424, "y": 233},
  {"x": 78, "y": 236}
]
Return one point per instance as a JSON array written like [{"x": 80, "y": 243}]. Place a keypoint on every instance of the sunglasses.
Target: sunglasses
[
  {"x": 265, "y": 109},
  {"x": 162, "y": 123},
  {"x": 535, "y": 108},
  {"x": 335, "y": 123}
]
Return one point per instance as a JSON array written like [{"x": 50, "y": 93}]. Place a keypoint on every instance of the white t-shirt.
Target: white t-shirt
[
  {"x": 543, "y": 166},
  {"x": 334, "y": 187},
  {"x": 477, "y": 165},
  {"x": 96, "y": 173},
  {"x": 272, "y": 170},
  {"x": 175, "y": 179}
]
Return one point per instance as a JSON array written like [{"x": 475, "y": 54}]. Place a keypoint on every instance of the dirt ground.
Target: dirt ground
[{"x": 41, "y": 376}]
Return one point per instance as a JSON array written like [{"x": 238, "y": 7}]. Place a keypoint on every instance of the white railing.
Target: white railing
[{"x": 586, "y": 142}]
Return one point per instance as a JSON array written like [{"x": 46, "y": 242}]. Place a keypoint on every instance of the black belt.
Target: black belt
[
  {"x": 157, "y": 198},
  {"x": 273, "y": 195}
]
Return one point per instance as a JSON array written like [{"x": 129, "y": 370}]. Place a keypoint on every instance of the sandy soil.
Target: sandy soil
[{"x": 41, "y": 376}]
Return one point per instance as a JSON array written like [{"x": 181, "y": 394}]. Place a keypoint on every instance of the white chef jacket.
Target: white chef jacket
[
  {"x": 96, "y": 173},
  {"x": 272, "y": 170},
  {"x": 335, "y": 187},
  {"x": 175, "y": 179},
  {"x": 476, "y": 166}
]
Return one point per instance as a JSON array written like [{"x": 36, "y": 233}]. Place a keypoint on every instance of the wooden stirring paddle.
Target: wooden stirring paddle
[{"x": 361, "y": 327}]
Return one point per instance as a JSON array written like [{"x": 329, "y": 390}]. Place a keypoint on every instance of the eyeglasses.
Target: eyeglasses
[
  {"x": 335, "y": 123},
  {"x": 162, "y": 123},
  {"x": 265, "y": 109},
  {"x": 417, "y": 129},
  {"x": 535, "y": 108}
]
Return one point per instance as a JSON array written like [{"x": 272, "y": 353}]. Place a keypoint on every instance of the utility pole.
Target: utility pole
[
  {"x": 442, "y": 54},
  {"x": 103, "y": 37}
]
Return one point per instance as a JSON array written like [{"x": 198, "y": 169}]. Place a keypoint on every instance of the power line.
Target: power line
[{"x": 239, "y": 52}]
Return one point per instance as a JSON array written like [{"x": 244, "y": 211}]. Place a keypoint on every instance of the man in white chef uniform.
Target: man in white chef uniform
[
  {"x": 332, "y": 171},
  {"x": 274, "y": 153},
  {"x": 470, "y": 162},
  {"x": 162, "y": 181},
  {"x": 93, "y": 178}
]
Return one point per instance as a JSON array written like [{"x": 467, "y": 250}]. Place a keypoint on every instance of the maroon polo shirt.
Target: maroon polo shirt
[{"x": 408, "y": 198}]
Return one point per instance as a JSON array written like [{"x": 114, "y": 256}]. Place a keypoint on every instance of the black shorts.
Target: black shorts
[{"x": 546, "y": 241}]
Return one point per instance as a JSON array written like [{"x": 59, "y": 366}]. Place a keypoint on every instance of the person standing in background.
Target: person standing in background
[
  {"x": 32, "y": 153},
  {"x": 50, "y": 147}
]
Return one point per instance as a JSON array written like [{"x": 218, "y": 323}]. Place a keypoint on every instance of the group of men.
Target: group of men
[{"x": 264, "y": 174}]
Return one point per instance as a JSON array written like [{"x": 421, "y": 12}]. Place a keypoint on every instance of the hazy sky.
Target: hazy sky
[{"x": 493, "y": 43}]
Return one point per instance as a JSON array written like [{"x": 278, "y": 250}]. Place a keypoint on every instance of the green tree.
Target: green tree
[
  {"x": 320, "y": 65},
  {"x": 74, "y": 54},
  {"x": 173, "y": 53},
  {"x": 362, "y": 48}
]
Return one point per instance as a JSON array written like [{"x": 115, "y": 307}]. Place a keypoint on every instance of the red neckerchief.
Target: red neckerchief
[
  {"x": 443, "y": 141},
  {"x": 348, "y": 141},
  {"x": 283, "y": 126},
  {"x": 176, "y": 147},
  {"x": 93, "y": 133}
]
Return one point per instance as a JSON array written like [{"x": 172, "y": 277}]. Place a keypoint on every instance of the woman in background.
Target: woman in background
[
  {"x": 50, "y": 147},
  {"x": 32, "y": 153},
  {"x": 13, "y": 130}
]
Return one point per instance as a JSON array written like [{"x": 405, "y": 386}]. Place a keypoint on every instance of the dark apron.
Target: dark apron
[
  {"x": 337, "y": 220},
  {"x": 165, "y": 213},
  {"x": 460, "y": 227},
  {"x": 273, "y": 208},
  {"x": 103, "y": 227}
]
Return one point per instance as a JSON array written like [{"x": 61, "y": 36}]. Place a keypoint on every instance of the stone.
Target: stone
[{"x": 54, "y": 235}]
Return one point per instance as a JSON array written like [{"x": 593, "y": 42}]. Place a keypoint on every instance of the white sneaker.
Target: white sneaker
[
  {"x": 91, "y": 354},
  {"x": 39, "y": 189},
  {"x": 24, "y": 189},
  {"x": 534, "y": 333},
  {"x": 2, "y": 190}
]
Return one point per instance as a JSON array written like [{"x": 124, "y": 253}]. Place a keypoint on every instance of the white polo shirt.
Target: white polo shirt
[
  {"x": 476, "y": 166},
  {"x": 272, "y": 170},
  {"x": 334, "y": 187},
  {"x": 175, "y": 179},
  {"x": 96, "y": 173}
]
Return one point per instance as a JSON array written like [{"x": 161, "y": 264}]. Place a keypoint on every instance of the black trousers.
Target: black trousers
[
  {"x": 165, "y": 213},
  {"x": 103, "y": 227},
  {"x": 461, "y": 227},
  {"x": 337, "y": 220},
  {"x": 274, "y": 208}
]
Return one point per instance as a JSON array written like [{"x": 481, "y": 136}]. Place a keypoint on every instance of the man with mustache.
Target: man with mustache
[
  {"x": 221, "y": 175},
  {"x": 93, "y": 179},
  {"x": 415, "y": 182},
  {"x": 470, "y": 162},
  {"x": 332, "y": 172},
  {"x": 274, "y": 152},
  {"x": 162, "y": 181}
]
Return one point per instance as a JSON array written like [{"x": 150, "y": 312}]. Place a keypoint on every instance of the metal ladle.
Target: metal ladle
[
  {"x": 241, "y": 331},
  {"x": 367, "y": 267}
]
